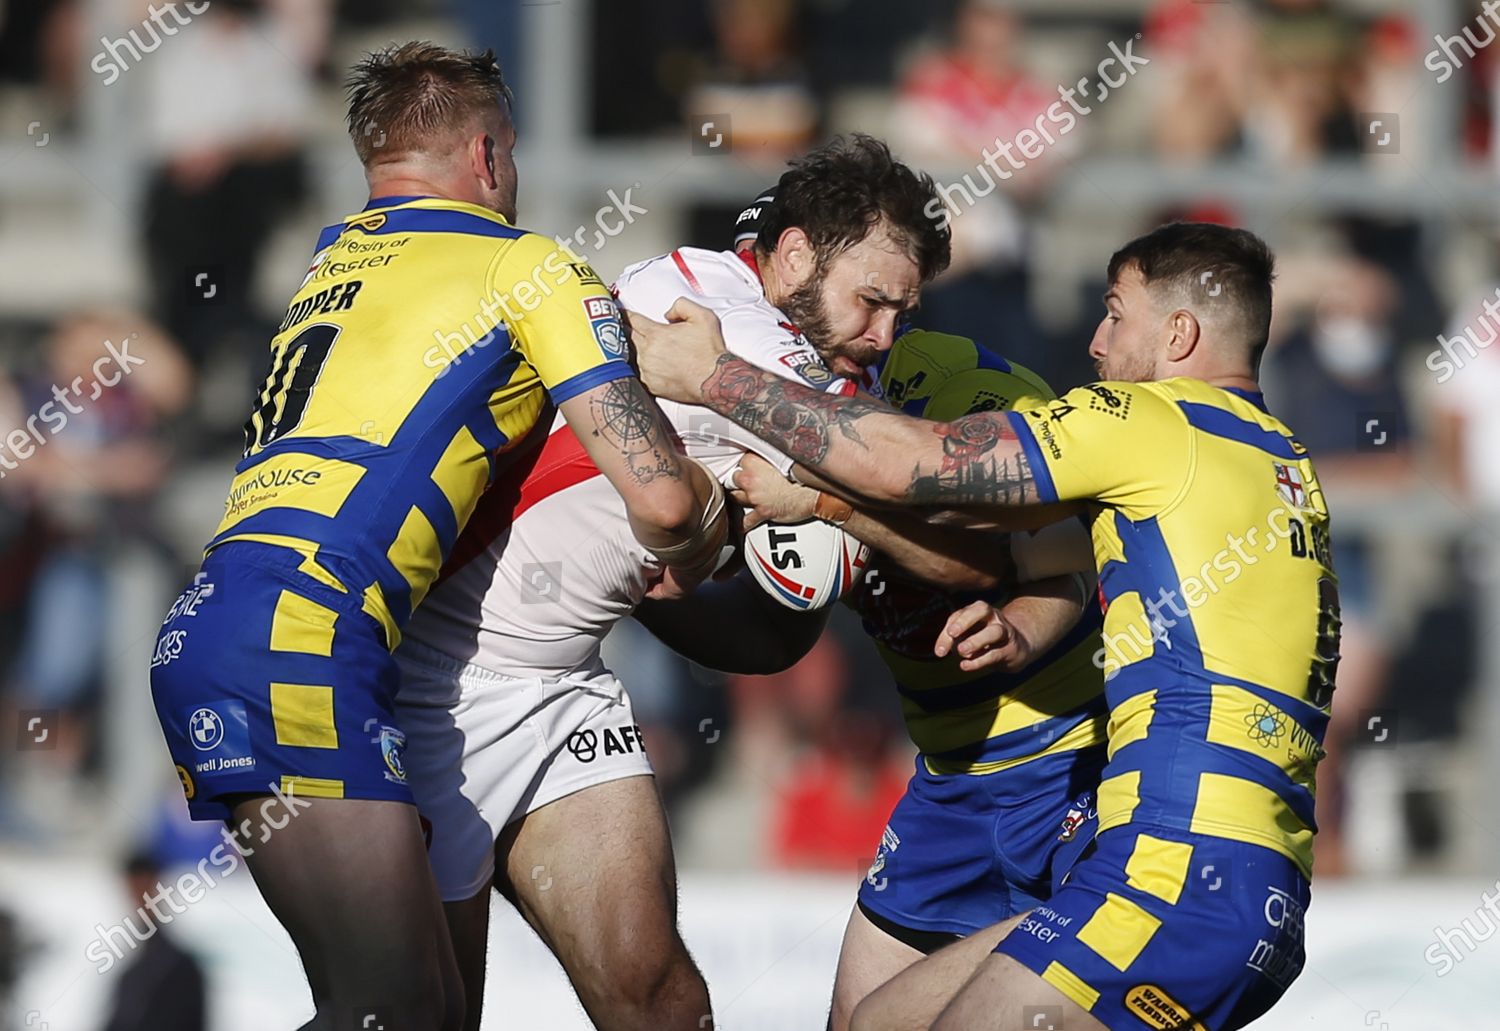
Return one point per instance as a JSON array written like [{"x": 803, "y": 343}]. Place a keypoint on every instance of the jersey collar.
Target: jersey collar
[
  {"x": 391, "y": 202},
  {"x": 1255, "y": 397}
]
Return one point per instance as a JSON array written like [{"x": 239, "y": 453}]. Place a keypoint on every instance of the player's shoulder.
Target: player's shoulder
[
  {"x": 718, "y": 280},
  {"x": 1130, "y": 404}
]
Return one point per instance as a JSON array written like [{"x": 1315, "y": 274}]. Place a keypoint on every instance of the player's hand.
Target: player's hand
[
  {"x": 675, "y": 357},
  {"x": 984, "y": 640},
  {"x": 767, "y": 496},
  {"x": 669, "y": 585}
]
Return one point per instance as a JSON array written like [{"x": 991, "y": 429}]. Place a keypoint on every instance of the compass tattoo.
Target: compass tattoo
[{"x": 626, "y": 416}]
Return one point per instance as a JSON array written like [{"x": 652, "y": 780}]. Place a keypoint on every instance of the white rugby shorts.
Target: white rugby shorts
[{"x": 484, "y": 749}]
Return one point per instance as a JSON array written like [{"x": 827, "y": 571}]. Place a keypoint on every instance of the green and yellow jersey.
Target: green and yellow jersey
[
  {"x": 985, "y": 721},
  {"x": 428, "y": 340},
  {"x": 1221, "y": 624}
]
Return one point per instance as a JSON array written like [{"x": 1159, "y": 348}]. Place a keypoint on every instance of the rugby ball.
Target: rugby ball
[{"x": 807, "y": 565}]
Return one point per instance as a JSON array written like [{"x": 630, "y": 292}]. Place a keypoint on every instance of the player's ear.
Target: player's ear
[
  {"x": 794, "y": 257},
  {"x": 1185, "y": 332},
  {"x": 482, "y": 159}
]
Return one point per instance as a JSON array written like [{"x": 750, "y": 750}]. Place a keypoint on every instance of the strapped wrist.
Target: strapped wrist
[{"x": 832, "y": 509}]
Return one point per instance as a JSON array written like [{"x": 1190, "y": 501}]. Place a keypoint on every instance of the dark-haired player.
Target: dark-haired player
[
  {"x": 495, "y": 691},
  {"x": 1211, "y": 539},
  {"x": 428, "y": 340},
  {"x": 1011, "y": 743}
]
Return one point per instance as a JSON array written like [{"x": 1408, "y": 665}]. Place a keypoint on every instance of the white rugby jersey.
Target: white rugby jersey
[{"x": 547, "y": 563}]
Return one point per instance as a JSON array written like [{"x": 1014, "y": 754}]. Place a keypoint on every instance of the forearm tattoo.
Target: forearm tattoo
[
  {"x": 627, "y": 417},
  {"x": 801, "y": 422}
]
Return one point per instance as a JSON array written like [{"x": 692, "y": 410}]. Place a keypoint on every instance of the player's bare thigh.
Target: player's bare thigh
[
  {"x": 1003, "y": 995},
  {"x": 349, "y": 880},
  {"x": 593, "y": 873},
  {"x": 915, "y": 996},
  {"x": 868, "y": 959}
]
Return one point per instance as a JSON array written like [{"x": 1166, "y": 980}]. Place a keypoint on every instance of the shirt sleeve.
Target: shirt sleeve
[
  {"x": 1118, "y": 444},
  {"x": 560, "y": 316}
]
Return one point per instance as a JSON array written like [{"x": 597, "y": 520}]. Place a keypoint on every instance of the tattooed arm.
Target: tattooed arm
[
  {"x": 858, "y": 442},
  {"x": 676, "y": 508}
]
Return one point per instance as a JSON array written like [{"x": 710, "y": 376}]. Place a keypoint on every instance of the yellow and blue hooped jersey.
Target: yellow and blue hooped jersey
[
  {"x": 428, "y": 340},
  {"x": 974, "y": 722},
  {"x": 1221, "y": 625}
]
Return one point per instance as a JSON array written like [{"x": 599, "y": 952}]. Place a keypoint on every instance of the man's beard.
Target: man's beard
[
  {"x": 1137, "y": 370},
  {"x": 807, "y": 310}
]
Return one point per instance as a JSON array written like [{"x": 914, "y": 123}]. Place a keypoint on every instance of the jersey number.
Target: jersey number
[
  {"x": 283, "y": 398},
  {"x": 1320, "y": 679}
]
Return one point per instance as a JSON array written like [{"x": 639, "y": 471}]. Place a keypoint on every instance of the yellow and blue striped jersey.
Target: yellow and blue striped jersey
[
  {"x": 427, "y": 341},
  {"x": 983, "y": 721},
  {"x": 1221, "y": 624}
]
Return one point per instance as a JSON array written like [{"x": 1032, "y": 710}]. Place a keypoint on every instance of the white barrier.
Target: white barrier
[{"x": 766, "y": 943}]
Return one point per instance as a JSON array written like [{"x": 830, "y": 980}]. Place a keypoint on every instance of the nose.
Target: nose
[
  {"x": 882, "y": 331},
  {"x": 1097, "y": 346}
]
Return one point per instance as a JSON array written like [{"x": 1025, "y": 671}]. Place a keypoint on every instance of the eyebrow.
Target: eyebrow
[
  {"x": 1111, "y": 294},
  {"x": 881, "y": 297}
]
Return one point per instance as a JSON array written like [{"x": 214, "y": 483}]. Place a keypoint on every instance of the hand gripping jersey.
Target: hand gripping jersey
[
  {"x": 1222, "y": 621},
  {"x": 426, "y": 341},
  {"x": 549, "y": 563},
  {"x": 962, "y": 851},
  {"x": 985, "y": 721}
]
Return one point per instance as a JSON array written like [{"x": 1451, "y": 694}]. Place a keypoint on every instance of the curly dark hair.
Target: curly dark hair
[
  {"x": 1205, "y": 266},
  {"x": 838, "y": 193},
  {"x": 403, "y": 97}
]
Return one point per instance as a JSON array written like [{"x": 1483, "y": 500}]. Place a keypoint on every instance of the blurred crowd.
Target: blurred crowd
[{"x": 798, "y": 770}]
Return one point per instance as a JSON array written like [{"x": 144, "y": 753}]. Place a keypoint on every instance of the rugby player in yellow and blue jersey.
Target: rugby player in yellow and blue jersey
[
  {"x": 1211, "y": 539},
  {"x": 1002, "y": 799},
  {"x": 430, "y": 338}
]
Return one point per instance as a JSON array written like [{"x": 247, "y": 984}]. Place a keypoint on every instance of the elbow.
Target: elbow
[{"x": 672, "y": 513}]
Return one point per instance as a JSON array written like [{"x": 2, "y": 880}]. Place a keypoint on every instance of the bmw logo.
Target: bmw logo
[{"x": 206, "y": 729}]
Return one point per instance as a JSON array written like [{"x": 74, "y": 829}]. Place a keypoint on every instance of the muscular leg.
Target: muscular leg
[
  {"x": 349, "y": 880},
  {"x": 1003, "y": 995},
  {"x": 914, "y": 998},
  {"x": 868, "y": 959},
  {"x": 469, "y": 927},
  {"x": 593, "y": 874}
]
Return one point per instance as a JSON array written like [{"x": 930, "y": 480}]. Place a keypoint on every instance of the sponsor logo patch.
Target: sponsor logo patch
[
  {"x": 220, "y": 732},
  {"x": 1159, "y": 1009},
  {"x": 809, "y": 367},
  {"x": 392, "y": 747},
  {"x": 189, "y": 789}
]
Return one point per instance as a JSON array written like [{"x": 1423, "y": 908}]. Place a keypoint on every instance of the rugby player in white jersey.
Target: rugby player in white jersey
[{"x": 520, "y": 744}]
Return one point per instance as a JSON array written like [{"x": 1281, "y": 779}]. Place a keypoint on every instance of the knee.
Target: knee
[
  {"x": 427, "y": 1000},
  {"x": 866, "y": 1015},
  {"x": 660, "y": 989}
]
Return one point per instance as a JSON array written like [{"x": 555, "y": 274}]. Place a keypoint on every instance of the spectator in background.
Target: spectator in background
[
  {"x": 965, "y": 97},
  {"x": 1466, "y": 368},
  {"x": 956, "y": 104},
  {"x": 227, "y": 101},
  {"x": 1335, "y": 379},
  {"x": 95, "y": 410},
  {"x": 161, "y": 986},
  {"x": 1303, "y": 108},
  {"x": 1203, "y": 61},
  {"x": 758, "y": 79}
]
